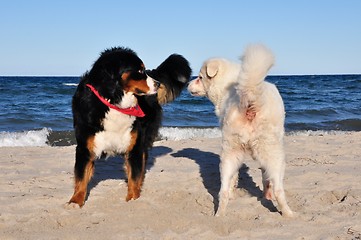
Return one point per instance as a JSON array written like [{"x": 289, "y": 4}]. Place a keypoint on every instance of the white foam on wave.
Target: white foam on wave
[
  {"x": 317, "y": 133},
  {"x": 71, "y": 84},
  {"x": 26, "y": 138},
  {"x": 175, "y": 133},
  {"x": 40, "y": 137}
]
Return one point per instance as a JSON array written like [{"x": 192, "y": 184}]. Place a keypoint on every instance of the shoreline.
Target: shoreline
[
  {"x": 48, "y": 137},
  {"x": 322, "y": 183},
  {"x": 67, "y": 138}
]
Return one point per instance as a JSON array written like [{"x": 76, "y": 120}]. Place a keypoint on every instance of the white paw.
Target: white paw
[{"x": 288, "y": 214}]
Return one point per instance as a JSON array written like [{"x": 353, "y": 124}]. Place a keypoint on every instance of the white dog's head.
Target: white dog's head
[{"x": 215, "y": 76}]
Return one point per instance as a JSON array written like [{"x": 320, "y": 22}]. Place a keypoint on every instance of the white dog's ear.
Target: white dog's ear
[{"x": 212, "y": 69}]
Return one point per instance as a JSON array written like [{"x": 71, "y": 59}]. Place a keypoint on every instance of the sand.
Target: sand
[{"x": 322, "y": 183}]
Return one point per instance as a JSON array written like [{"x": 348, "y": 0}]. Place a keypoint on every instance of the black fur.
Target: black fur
[
  {"x": 173, "y": 74},
  {"x": 88, "y": 111}
]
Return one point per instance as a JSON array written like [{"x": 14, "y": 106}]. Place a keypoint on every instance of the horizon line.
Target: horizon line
[{"x": 282, "y": 74}]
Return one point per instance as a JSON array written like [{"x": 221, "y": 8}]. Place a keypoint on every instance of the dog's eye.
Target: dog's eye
[
  {"x": 141, "y": 71},
  {"x": 200, "y": 77}
]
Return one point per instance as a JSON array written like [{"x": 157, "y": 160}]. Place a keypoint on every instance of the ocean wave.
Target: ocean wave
[
  {"x": 317, "y": 133},
  {"x": 67, "y": 138},
  {"x": 26, "y": 138},
  {"x": 334, "y": 125},
  {"x": 347, "y": 124},
  {"x": 71, "y": 84},
  {"x": 177, "y": 133},
  {"x": 47, "y": 137}
]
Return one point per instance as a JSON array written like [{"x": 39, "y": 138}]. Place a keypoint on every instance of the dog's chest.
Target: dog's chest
[{"x": 116, "y": 137}]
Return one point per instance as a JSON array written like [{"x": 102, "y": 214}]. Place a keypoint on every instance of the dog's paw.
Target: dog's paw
[
  {"x": 129, "y": 197},
  {"x": 220, "y": 213},
  {"x": 71, "y": 205},
  {"x": 132, "y": 196},
  {"x": 288, "y": 213}
]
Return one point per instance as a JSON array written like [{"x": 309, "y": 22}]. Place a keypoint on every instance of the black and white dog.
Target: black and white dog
[{"x": 117, "y": 110}]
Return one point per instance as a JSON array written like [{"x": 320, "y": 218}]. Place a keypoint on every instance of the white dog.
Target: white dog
[{"x": 251, "y": 115}]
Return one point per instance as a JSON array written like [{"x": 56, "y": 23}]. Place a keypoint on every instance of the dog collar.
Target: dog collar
[{"x": 132, "y": 111}]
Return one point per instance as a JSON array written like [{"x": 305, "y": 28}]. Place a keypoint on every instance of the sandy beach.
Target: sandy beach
[{"x": 323, "y": 186}]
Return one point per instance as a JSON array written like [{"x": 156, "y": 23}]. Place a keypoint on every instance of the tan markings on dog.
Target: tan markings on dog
[
  {"x": 81, "y": 185},
  {"x": 78, "y": 197},
  {"x": 132, "y": 191},
  {"x": 137, "y": 86},
  {"x": 162, "y": 94},
  {"x": 133, "y": 140},
  {"x": 91, "y": 147},
  {"x": 125, "y": 75},
  {"x": 134, "y": 184},
  {"x": 131, "y": 183},
  {"x": 139, "y": 182},
  {"x": 128, "y": 171},
  {"x": 136, "y": 191}
]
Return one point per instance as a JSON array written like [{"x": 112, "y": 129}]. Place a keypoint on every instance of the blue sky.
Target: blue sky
[{"x": 47, "y": 38}]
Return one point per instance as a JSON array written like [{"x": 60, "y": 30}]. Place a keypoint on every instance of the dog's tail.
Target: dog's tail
[
  {"x": 256, "y": 62},
  {"x": 173, "y": 74}
]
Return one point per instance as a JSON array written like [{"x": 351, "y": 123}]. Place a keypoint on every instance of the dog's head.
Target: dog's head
[
  {"x": 214, "y": 77},
  {"x": 173, "y": 74},
  {"x": 120, "y": 71}
]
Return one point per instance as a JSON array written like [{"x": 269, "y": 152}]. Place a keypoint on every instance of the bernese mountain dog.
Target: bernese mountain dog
[{"x": 117, "y": 110}]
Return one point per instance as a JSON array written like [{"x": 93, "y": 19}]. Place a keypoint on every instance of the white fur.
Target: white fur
[
  {"x": 235, "y": 89},
  {"x": 117, "y": 127},
  {"x": 128, "y": 100},
  {"x": 116, "y": 137},
  {"x": 152, "y": 86}
]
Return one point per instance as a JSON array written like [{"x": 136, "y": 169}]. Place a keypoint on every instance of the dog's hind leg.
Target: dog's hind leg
[
  {"x": 231, "y": 161},
  {"x": 279, "y": 193},
  {"x": 234, "y": 184},
  {"x": 83, "y": 170},
  {"x": 267, "y": 187},
  {"x": 135, "y": 168},
  {"x": 273, "y": 168}
]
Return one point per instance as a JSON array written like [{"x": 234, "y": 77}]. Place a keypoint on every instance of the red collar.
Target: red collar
[{"x": 133, "y": 111}]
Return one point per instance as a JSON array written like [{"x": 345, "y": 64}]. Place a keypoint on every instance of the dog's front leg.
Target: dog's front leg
[{"x": 83, "y": 171}]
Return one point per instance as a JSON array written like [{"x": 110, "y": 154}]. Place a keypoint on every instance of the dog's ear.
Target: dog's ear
[{"x": 212, "y": 69}]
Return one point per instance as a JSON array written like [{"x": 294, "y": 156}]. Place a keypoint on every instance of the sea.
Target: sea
[{"x": 36, "y": 111}]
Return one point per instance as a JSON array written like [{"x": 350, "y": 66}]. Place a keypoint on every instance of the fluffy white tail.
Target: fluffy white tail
[{"x": 256, "y": 61}]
